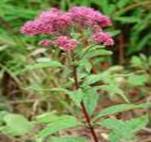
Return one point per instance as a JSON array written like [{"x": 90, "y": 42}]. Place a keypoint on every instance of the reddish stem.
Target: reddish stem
[
  {"x": 121, "y": 49},
  {"x": 83, "y": 108},
  {"x": 88, "y": 120}
]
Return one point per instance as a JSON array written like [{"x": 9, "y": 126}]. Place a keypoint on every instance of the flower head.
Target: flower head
[
  {"x": 66, "y": 43},
  {"x": 103, "y": 38},
  {"x": 58, "y": 19},
  {"x": 48, "y": 22},
  {"x": 89, "y": 17},
  {"x": 31, "y": 28},
  {"x": 46, "y": 43}
]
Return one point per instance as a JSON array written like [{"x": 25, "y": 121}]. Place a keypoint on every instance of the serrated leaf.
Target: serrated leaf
[
  {"x": 92, "y": 48},
  {"x": 120, "y": 108},
  {"x": 89, "y": 102},
  {"x": 77, "y": 96},
  {"x": 114, "y": 89},
  {"x": 105, "y": 76},
  {"x": 122, "y": 129},
  {"x": 94, "y": 78},
  {"x": 49, "y": 64},
  {"x": 46, "y": 117},
  {"x": 113, "y": 124},
  {"x": 137, "y": 124},
  {"x": 137, "y": 80},
  {"x": 96, "y": 53},
  {"x": 114, "y": 137},
  {"x": 60, "y": 123},
  {"x": 85, "y": 64},
  {"x": 16, "y": 125}
]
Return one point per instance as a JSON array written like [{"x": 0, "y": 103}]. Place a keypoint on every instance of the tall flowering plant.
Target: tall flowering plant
[{"x": 80, "y": 33}]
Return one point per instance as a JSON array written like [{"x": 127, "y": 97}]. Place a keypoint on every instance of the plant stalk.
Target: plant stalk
[{"x": 83, "y": 108}]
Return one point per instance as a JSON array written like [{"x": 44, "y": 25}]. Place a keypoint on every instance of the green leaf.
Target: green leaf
[
  {"x": 132, "y": 125},
  {"x": 57, "y": 124},
  {"x": 68, "y": 139},
  {"x": 91, "y": 48},
  {"x": 127, "y": 19},
  {"x": 113, "y": 89},
  {"x": 137, "y": 124},
  {"x": 2, "y": 115},
  {"x": 114, "y": 33},
  {"x": 113, "y": 124},
  {"x": 94, "y": 78},
  {"x": 40, "y": 65},
  {"x": 89, "y": 102},
  {"x": 46, "y": 117},
  {"x": 98, "y": 52},
  {"x": 136, "y": 61},
  {"x": 16, "y": 125},
  {"x": 77, "y": 96},
  {"x": 122, "y": 129},
  {"x": 137, "y": 80},
  {"x": 105, "y": 76},
  {"x": 115, "y": 137},
  {"x": 85, "y": 64},
  {"x": 121, "y": 108}
]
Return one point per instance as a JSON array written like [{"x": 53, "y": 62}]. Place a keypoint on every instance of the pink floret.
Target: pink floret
[
  {"x": 48, "y": 14},
  {"x": 62, "y": 22},
  {"x": 103, "y": 21},
  {"x": 89, "y": 17},
  {"x": 103, "y": 38},
  {"x": 66, "y": 43},
  {"x": 59, "y": 20},
  {"x": 30, "y": 28},
  {"x": 36, "y": 27},
  {"x": 48, "y": 22},
  {"x": 46, "y": 43}
]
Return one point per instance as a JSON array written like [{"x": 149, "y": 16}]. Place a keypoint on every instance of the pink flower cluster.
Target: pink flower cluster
[
  {"x": 46, "y": 43},
  {"x": 66, "y": 43},
  {"x": 104, "y": 38},
  {"x": 59, "y": 24},
  {"x": 89, "y": 17},
  {"x": 48, "y": 22}
]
